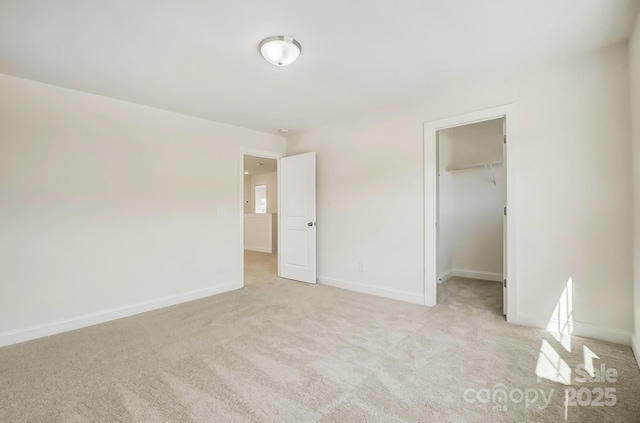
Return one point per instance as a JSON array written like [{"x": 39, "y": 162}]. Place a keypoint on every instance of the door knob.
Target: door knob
[{"x": 311, "y": 224}]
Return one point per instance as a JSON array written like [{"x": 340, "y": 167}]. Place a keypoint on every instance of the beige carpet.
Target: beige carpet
[{"x": 282, "y": 351}]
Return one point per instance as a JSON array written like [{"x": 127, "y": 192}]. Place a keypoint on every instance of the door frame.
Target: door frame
[
  {"x": 265, "y": 154},
  {"x": 508, "y": 112}
]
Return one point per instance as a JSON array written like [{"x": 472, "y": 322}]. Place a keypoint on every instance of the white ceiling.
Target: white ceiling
[
  {"x": 266, "y": 165},
  {"x": 200, "y": 57}
]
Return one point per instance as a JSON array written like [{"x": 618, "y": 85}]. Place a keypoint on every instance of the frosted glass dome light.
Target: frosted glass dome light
[{"x": 280, "y": 50}]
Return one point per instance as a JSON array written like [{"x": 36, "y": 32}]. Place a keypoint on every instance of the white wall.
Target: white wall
[
  {"x": 573, "y": 190},
  {"x": 107, "y": 204},
  {"x": 471, "y": 212},
  {"x": 271, "y": 181},
  {"x": 261, "y": 232},
  {"x": 446, "y": 223},
  {"x": 634, "y": 55}
]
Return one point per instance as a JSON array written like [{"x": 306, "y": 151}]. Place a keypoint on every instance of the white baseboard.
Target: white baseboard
[
  {"x": 470, "y": 274},
  {"x": 372, "y": 290},
  {"x": 477, "y": 274},
  {"x": 259, "y": 249},
  {"x": 635, "y": 347},
  {"x": 445, "y": 276},
  {"x": 586, "y": 330},
  {"x": 52, "y": 328}
]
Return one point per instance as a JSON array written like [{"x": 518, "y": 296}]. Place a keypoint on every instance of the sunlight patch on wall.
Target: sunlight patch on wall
[
  {"x": 560, "y": 324},
  {"x": 550, "y": 364}
]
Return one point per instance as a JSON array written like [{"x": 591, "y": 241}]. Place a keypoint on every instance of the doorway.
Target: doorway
[
  {"x": 260, "y": 219},
  {"x": 291, "y": 202},
  {"x": 431, "y": 129},
  {"x": 471, "y": 197}
]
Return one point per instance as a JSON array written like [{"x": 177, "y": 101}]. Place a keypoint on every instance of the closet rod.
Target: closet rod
[{"x": 475, "y": 166}]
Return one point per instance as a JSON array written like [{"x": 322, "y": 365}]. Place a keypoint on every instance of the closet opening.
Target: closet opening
[{"x": 471, "y": 197}]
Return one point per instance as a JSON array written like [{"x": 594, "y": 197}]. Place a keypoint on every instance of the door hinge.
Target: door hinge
[
  {"x": 504, "y": 283},
  {"x": 505, "y": 210},
  {"x": 504, "y": 139}
]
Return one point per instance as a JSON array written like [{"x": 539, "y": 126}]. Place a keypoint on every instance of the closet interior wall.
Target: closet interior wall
[{"x": 471, "y": 201}]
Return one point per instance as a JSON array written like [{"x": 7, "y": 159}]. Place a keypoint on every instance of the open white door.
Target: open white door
[
  {"x": 297, "y": 229},
  {"x": 504, "y": 220}
]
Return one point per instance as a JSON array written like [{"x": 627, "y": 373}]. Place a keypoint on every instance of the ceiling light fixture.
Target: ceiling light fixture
[{"x": 280, "y": 50}]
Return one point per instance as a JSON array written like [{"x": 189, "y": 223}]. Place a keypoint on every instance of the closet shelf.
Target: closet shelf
[
  {"x": 489, "y": 165},
  {"x": 474, "y": 166}
]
